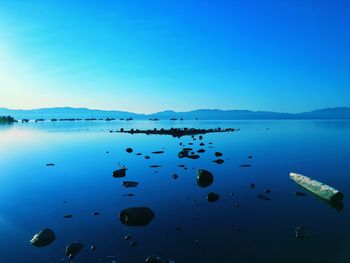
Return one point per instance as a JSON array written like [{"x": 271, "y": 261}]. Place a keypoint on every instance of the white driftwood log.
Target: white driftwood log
[{"x": 322, "y": 190}]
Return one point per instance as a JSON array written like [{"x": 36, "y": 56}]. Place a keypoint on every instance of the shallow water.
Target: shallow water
[{"x": 32, "y": 194}]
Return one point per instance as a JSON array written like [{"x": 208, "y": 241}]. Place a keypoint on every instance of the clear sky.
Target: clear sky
[{"x": 147, "y": 56}]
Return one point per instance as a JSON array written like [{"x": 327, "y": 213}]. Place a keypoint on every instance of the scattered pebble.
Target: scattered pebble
[
  {"x": 128, "y": 237},
  {"x": 129, "y": 150},
  {"x": 218, "y": 161},
  {"x": 212, "y": 197},
  {"x": 128, "y": 184}
]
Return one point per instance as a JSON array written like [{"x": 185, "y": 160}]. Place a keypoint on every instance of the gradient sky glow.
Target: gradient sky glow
[{"x": 147, "y": 56}]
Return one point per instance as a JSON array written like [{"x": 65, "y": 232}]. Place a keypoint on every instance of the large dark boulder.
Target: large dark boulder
[
  {"x": 44, "y": 238},
  {"x": 136, "y": 216},
  {"x": 73, "y": 249},
  {"x": 204, "y": 178}
]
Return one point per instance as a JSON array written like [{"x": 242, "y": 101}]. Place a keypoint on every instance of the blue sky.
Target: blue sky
[{"x": 146, "y": 56}]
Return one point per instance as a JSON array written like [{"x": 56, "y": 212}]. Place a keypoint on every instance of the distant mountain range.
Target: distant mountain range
[{"x": 202, "y": 114}]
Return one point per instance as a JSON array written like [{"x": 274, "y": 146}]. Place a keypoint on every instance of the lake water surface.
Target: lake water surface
[{"x": 238, "y": 228}]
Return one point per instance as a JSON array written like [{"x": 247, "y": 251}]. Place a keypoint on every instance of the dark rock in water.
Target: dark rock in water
[
  {"x": 299, "y": 194},
  {"x": 218, "y": 154},
  {"x": 128, "y": 194},
  {"x": 194, "y": 156},
  {"x": 175, "y": 176},
  {"x": 136, "y": 216},
  {"x": 92, "y": 248},
  {"x": 158, "y": 152},
  {"x": 183, "y": 153},
  {"x": 232, "y": 194},
  {"x": 73, "y": 249},
  {"x": 263, "y": 197},
  {"x": 267, "y": 191},
  {"x": 95, "y": 213},
  {"x": 200, "y": 137},
  {"x": 119, "y": 173},
  {"x": 155, "y": 166},
  {"x": 236, "y": 204},
  {"x": 130, "y": 184},
  {"x": 300, "y": 232},
  {"x": 187, "y": 149},
  {"x": 190, "y": 143},
  {"x": 68, "y": 216},
  {"x": 139, "y": 154},
  {"x": 201, "y": 144},
  {"x": 182, "y": 165},
  {"x": 44, "y": 238},
  {"x": 219, "y": 161},
  {"x": 50, "y": 164},
  {"x": 204, "y": 178},
  {"x": 212, "y": 197},
  {"x": 201, "y": 151},
  {"x": 147, "y": 157},
  {"x": 252, "y": 186},
  {"x": 128, "y": 237},
  {"x": 250, "y": 157},
  {"x": 133, "y": 244},
  {"x": 129, "y": 150},
  {"x": 154, "y": 259},
  {"x": 245, "y": 165}
]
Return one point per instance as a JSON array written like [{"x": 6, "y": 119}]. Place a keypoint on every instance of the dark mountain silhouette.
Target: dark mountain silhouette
[{"x": 203, "y": 114}]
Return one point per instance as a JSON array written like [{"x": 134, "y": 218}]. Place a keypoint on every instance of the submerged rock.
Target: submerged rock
[
  {"x": 212, "y": 197},
  {"x": 204, "y": 178},
  {"x": 300, "y": 232},
  {"x": 194, "y": 156},
  {"x": 127, "y": 184},
  {"x": 245, "y": 165},
  {"x": 263, "y": 197},
  {"x": 219, "y": 161},
  {"x": 183, "y": 153},
  {"x": 129, "y": 150},
  {"x": 218, "y": 154},
  {"x": 155, "y": 166},
  {"x": 175, "y": 176},
  {"x": 299, "y": 194},
  {"x": 158, "y": 152},
  {"x": 136, "y": 216},
  {"x": 128, "y": 237},
  {"x": 201, "y": 151},
  {"x": 154, "y": 259},
  {"x": 50, "y": 164},
  {"x": 44, "y": 238},
  {"x": 95, "y": 213},
  {"x": 68, "y": 216},
  {"x": 147, "y": 157},
  {"x": 73, "y": 249},
  {"x": 119, "y": 173}
]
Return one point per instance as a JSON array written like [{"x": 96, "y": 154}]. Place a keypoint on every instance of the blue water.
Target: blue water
[{"x": 34, "y": 196}]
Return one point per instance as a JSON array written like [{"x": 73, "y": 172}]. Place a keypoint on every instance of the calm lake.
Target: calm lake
[{"x": 238, "y": 228}]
